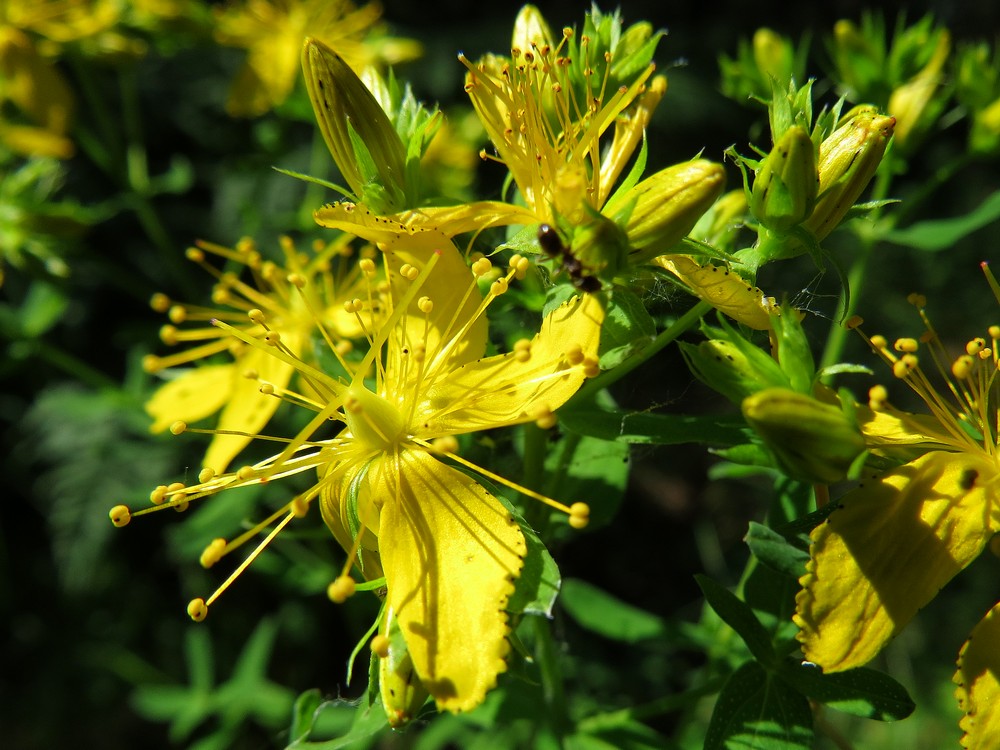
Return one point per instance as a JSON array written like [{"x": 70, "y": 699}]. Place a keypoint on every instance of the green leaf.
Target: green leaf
[
  {"x": 588, "y": 470},
  {"x": 738, "y": 615},
  {"x": 538, "y": 585},
  {"x": 645, "y": 428},
  {"x": 777, "y": 551},
  {"x": 304, "y": 714},
  {"x": 601, "y": 613},
  {"x": 627, "y": 328},
  {"x": 861, "y": 692},
  {"x": 757, "y": 711},
  {"x": 942, "y": 234},
  {"x": 367, "y": 723}
]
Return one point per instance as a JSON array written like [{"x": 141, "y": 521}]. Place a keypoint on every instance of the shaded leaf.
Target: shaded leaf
[{"x": 601, "y": 613}]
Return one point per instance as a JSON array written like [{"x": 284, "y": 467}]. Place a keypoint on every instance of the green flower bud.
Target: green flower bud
[
  {"x": 600, "y": 246},
  {"x": 661, "y": 210},
  {"x": 774, "y": 56},
  {"x": 916, "y": 103},
  {"x": 848, "y": 158},
  {"x": 785, "y": 186},
  {"x": 719, "y": 225},
  {"x": 734, "y": 367},
  {"x": 985, "y": 135},
  {"x": 811, "y": 441},
  {"x": 361, "y": 138}
]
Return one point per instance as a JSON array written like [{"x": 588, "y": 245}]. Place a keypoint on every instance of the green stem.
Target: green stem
[
  {"x": 668, "y": 335},
  {"x": 535, "y": 513},
  {"x": 547, "y": 658}
]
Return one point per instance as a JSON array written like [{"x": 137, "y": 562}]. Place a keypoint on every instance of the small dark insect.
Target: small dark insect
[
  {"x": 552, "y": 245},
  {"x": 968, "y": 479}
]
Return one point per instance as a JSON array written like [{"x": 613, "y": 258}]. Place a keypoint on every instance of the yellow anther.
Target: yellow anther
[
  {"x": 994, "y": 332},
  {"x": 419, "y": 352},
  {"x": 543, "y": 416},
  {"x": 181, "y": 506},
  {"x": 481, "y": 267},
  {"x": 520, "y": 265},
  {"x": 445, "y": 444},
  {"x": 961, "y": 368},
  {"x": 212, "y": 553},
  {"x": 257, "y": 316},
  {"x": 341, "y": 589},
  {"x": 177, "y": 314},
  {"x": 877, "y": 397},
  {"x": 151, "y": 363},
  {"x": 575, "y": 355},
  {"x": 906, "y": 345},
  {"x": 367, "y": 266},
  {"x": 251, "y": 373},
  {"x": 267, "y": 389},
  {"x": 273, "y": 338},
  {"x": 498, "y": 287},
  {"x": 904, "y": 365},
  {"x": 522, "y": 350},
  {"x": 879, "y": 341},
  {"x": 206, "y": 474},
  {"x": 120, "y": 515},
  {"x": 159, "y": 495},
  {"x": 194, "y": 254},
  {"x": 425, "y": 305},
  {"x": 380, "y": 646},
  {"x": 579, "y": 515},
  {"x": 975, "y": 346},
  {"x": 245, "y": 473},
  {"x": 917, "y": 300},
  {"x": 343, "y": 347},
  {"x": 299, "y": 507},
  {"x": 591, "y": 367},
  {"x": 297, "y": 280},
  {"x": 159, "y": 302},
  {"x": 178, "y": 427},
  {"x": 985, "y": 354},
  {"x": 408, "y": 272},
  {"x": 353, "y": 305},
  {"x": 853, "y": 322},
  {"x": 168, "y": 335},
  {"x": 197, "y": 609},
  {"x": 221, "y": 296}
]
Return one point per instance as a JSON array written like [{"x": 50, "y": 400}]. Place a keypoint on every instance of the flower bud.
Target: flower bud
[
  {"x": 661, "y": 210},
  {"x": 811, "y": 441},
  {"x": 600, "y": 245},
  {"x": 785, "y": 186},
  {"x": 361, "y": 138},
  {"x": 848, "y": 158},
  {"x": 985, "y": 135},
  {"x": 774, "y": 55},
  {"x": 913, "y": 103},
  {"x": 530, "y": 27},
  {"x": 734, "y": 368}
]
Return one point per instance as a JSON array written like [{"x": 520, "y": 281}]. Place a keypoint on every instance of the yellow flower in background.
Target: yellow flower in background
[
  {"x": 896, "y": 540},
  {"x": 272, "y": 31},
  {"x": 388, "y": 487},
  {"x": 234, "y": 389}
]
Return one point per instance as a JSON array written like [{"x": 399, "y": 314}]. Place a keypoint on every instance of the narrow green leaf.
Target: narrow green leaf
[
  {"x": 942, "y": 234},
  {"x": 644, "y": 428},
  {"x": 601, "y": 613},
  {"x": 776, "y": 551},
  {"x": 862, "y": 692},
  {"x": 738, "y": 615},
  {"x": 757, "y": 711},
  {"x": 304, "y": 714}
]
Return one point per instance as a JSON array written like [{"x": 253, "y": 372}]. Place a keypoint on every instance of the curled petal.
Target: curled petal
[
  {"x": 978, "y": 680},
  {"x": 198, "y": 393},
  {"x": 886, "y": 552}
]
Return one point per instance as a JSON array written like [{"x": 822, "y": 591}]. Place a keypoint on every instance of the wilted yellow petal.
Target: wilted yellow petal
[
  {"x": 978, "y": 680},
  {"x": 451, "y": 554},
  {"x": 511, "y": 391},
  {"x": 196, "y": 394},
  {"x": 888, "y": 549},
  {"x": 726, "y": 291}
]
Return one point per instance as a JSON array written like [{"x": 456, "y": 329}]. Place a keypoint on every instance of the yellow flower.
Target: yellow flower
[
  {"x": 388, "y": 486},
  {"x": 892, "y": 543},
  {"x": 234, "y": 389},
  {"x": 272, "y": 31}
]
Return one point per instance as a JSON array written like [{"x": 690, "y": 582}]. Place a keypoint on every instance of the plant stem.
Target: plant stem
[{"x": 552, "y": 685}]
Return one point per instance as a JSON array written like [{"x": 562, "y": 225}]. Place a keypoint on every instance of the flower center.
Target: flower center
[{"x": 372, "y": 419}]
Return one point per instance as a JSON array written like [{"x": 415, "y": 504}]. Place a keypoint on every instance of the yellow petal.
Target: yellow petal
[
  {"x": 451, "y": 554},
  {"x": 196, "y": 394},
  {"x": 453, "y": 319},
  {"x": 978, "y": 680},
  {"x": 723, "y": 289},
  {"x": 341, "y": 518},
  {"x": 447, "y": 220},
  {"x": 248, "y": 410},
  {"x": 893, "y": 432},
  {"x": 502, "y": 390},
  {"x": 888, "y": 549}
]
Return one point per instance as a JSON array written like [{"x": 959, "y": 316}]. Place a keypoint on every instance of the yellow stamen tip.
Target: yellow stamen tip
[
  {"x": 120, "y": 515},
  {"x": 297, "y": 280},
  {"x": 212, "y": 553},
  {"x": 425, "y": 305},
  {"x": 579, "y": 515},
  {"x": 380, "y": 646},
  {"x": 299, "y": 507},
  {"x": 482, "y": 267},
  {"x": 367, "y": 266},
  {"x": 159, "y": 495},
  {"x": 853, "y": 322},
  {"x": 160, "y": 302},
  {"x": 961, "y": 368},
  {"x": 257, "y": 316},
  {"x": 975, "y": 346},
  {"x": 206, "y": 474},
  {"x": 341, "y": 589},
  {"x": 151, "y": 364},
  {"x": 273, "y": 338},
  {"x": 498, "y": 287},
  {"x": 906, "y": 345},
  {"x": 245, "y": 473},
  {"x": 446, "y": 444},
  {"x": 877, "y": 397},
  {"x": 267, "y": 389},
  {"x": 917, "y": 300},
  {"x": 178, "y": 427},
  {"x": 197, "y": 609}
]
